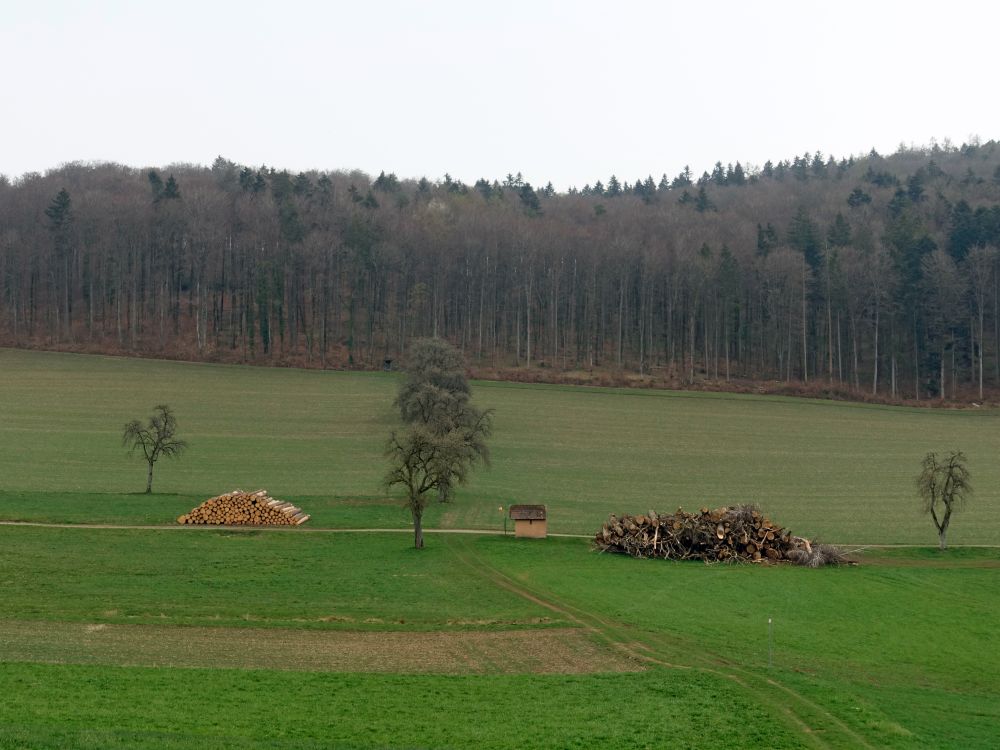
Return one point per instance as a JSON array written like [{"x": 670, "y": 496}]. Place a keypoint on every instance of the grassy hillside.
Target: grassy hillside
[
  {"x": 190, "y": 638},
  {"x": 157, "y": 708},
  {"x": 131, "y": 638},
  {"x": 840, "y": 471}
]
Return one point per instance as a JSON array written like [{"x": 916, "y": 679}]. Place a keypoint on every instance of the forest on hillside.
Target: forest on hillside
[{"x": 877, "y": 274}]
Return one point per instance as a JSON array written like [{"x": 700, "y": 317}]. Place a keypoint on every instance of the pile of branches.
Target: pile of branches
[
  {"x": 738, "y": 534},
  {"x": 238, "y": 508}
]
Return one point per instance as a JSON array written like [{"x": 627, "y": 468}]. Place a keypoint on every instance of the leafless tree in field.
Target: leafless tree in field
[
  {"x": 155, "y": 439},
  {"x": 943, "y": 486},
  {"x": 446, "y": 435}
]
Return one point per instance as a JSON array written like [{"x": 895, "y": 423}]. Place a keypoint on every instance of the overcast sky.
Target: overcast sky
[{"x": 564, "y": 91}]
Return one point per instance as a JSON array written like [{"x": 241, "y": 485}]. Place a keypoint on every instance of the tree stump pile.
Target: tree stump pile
[
  {"x": 239, "y": 508},
  {"x": 739, "y": 534}
]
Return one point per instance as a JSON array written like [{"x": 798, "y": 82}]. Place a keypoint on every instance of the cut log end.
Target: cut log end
[{"x": 239, "y": 508}]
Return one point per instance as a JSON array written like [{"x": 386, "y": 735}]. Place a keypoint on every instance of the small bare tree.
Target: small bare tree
[
  {"x": 436, "y": 395},
  {"x": 943, "y": 486},
  {"x": 424, "y": 459},
  {"x": 154, "y": 440}
]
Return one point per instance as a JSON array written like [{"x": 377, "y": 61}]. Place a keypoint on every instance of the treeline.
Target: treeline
[{"x": 877, "y": 273}]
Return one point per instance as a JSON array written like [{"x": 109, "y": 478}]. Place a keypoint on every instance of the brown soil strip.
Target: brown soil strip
[{"x": 548, "y": 651}]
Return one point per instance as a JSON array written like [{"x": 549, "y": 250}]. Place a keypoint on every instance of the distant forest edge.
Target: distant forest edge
[{"x": 874, "y": 275}]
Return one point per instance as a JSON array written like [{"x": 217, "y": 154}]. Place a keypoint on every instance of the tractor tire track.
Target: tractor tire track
[{"x": 653, "y": 648}]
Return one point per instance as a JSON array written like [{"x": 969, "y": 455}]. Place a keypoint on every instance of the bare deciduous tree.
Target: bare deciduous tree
[
  {"x": 436, "y": 393},
  {"x": 156, "y": 439},
  {"x": 446, "y": 436},
  {"x": 424, "y": 460},
  {"x": 435, "y": 383},
  {"x": 943, "y": 486}
]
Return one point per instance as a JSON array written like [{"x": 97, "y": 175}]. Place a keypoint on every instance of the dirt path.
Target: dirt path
[
  {"x": 406, "y": 530},
  {"x": 272, "y": 529},
  {"x": 816, "y": 726},
  {"x": 531, "y": 651}
]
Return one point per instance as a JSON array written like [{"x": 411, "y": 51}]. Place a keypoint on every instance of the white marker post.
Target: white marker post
[{"x": 770, "y": 642}]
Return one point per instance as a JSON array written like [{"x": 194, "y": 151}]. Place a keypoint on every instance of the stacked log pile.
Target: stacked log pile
[
  {"x": 738, "y": 534},
  {"x": 239, "y": 508}
]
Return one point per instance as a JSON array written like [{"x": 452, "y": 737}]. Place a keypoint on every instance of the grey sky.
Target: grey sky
[{"x": 563, "y": 91}]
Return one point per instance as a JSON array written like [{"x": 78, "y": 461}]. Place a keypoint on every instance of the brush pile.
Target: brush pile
[
  {"x": 239, "y": 508},
  {"x": 739, "y": 534}
]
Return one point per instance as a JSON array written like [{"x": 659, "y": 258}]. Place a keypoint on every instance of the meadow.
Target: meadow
[
  {"x": 313, "y": 637},
  {"x": 842, "y": 472}
]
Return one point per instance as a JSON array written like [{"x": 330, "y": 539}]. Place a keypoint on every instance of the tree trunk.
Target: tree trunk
[
  {"x": 527, "y": 318},
  {"x": 805, "y": 339},
  {"x": 418, "y": 529},
  {"x": 840, "y": 353},
  {"x": 149, "y": 478},
  {"x": 996, "y": 325},
  {"x": 704, "y": 340},
  {"x": 725, "y": 337},
  {"x": 875, "y": 362},
  {"x": 691, "y": 326},
  {"x": 621, "y": 315},
  {"x": 942, "y": 372},
  {"x": 482, "y": 299},
  {"x": 954, "y": 372},
  {"x": 854, "y": 342},
  {"x": 982, "y": 351},
  {"x": 829, "y": 333}
]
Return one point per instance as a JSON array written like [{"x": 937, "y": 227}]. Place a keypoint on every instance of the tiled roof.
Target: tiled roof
[{"x": 527, "y": 512}]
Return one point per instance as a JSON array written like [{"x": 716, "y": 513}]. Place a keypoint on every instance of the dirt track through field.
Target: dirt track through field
[
  {"x": 816, "y": 726},
  {"x": 535, "y": 651},
  {"x": 408, "y": 530},
  {"x": 272, "y": 529}
]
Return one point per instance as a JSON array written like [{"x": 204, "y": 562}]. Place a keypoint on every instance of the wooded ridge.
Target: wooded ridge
[{"x": 877, "y": 274}]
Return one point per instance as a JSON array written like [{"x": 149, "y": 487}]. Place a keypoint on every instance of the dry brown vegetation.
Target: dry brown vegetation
[
  {"x": 661, "y": 378},
  {"x": 533, "y": 651},
  {"x": 739, "y": 534}
]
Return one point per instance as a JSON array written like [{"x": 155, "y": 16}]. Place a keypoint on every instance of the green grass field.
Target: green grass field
[
  {"x": 841, "y": 472},
  {"x": 193, "y": 638},
  {"x": 156, "y": 708}
]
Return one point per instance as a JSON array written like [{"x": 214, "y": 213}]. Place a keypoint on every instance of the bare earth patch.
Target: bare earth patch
[{"x": 548, "y": 651}]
